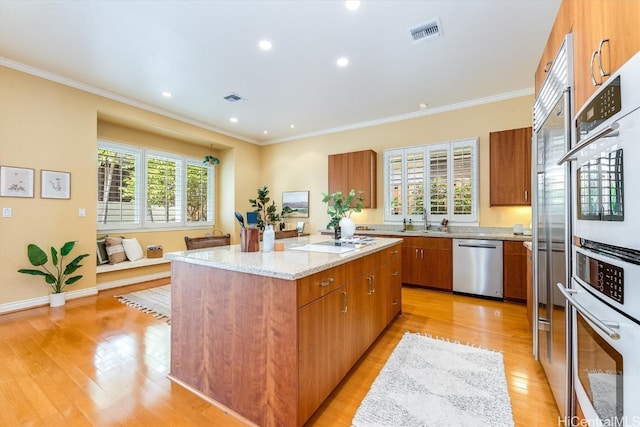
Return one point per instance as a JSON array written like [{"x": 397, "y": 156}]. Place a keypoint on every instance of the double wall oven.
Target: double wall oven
[{"x": 604, "y": 290}]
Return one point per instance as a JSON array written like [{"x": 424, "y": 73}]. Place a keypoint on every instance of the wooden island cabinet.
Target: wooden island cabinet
[{"x": 268, "y": 336}]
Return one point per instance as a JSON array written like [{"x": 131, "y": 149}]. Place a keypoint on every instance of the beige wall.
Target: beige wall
[
  {"x": 46, "y": 125},
  {"x": 302, "y": 165}
]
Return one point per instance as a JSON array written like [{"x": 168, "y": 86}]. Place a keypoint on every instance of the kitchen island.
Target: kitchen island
[{"x": 268, "y": 336}]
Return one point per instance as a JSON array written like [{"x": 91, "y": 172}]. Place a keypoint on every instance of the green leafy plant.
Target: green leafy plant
[
  {"x": 267, "y": 213},
  {"x": 55, "y": 277},
  {"x": 209, "y": 159},
  {"x": 340, "y": 206}
]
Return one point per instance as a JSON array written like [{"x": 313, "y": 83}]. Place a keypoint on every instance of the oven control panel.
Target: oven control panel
[{"x": 606, "y": 278}]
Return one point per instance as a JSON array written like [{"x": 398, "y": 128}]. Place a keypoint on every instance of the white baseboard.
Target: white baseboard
[
  {"x": 132, "y": 280},
  {"x": 40, "y": 301}
]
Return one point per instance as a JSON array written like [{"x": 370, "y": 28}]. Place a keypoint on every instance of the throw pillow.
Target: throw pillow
[
  {"x": 132, "y": 249},
  {"x": 101, "y": 252},
  {"x": 115, "y": 250}
]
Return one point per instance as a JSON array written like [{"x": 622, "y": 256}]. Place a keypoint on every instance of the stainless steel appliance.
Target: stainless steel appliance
[
  {"x": 552, "y": 119},
  {"x": 477, "y": 267},
  {"x": 605, "y": 294}
]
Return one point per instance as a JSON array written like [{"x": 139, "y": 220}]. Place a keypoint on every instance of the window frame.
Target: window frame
[
  {"x": 143, "y": 224},
  {"x": 426, "y": 150}
]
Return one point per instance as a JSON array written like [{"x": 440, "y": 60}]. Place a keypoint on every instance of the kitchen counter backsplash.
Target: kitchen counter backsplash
[{"x": 454, "y": 232}]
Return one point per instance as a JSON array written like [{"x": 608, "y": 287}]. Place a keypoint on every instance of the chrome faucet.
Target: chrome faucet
[{"x": 425, "y": 216}]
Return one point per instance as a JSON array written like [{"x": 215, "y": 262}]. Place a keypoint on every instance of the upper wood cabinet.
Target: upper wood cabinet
[
  {"x": 592, "y": 22},
  {"x": 562, "y": 25},
  {"x": 596, "y": 22},
  {"x": 510, "y": 167},
  {"x": 355, "y": 170}
]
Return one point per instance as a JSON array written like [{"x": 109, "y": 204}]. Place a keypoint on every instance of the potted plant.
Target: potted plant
[
  {"x": 55, "y": 277},
  {"x": 267, "y": 213},
  {"x": 340, "y": 208},
  {"x": 212, "y": 160}
]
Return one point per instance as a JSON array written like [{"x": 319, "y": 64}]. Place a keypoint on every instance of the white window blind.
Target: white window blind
[
  {"x": 163, "y": 189},
  {"x": 139, "y": 188},
  {"x": 118, "y": 186},
  {"x": 440, "y": 179},
  {"x": 199, "y": 181}
]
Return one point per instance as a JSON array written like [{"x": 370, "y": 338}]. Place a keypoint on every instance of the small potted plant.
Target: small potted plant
[
  {"x": 340, "y": 208},
  {"x": 55, "y": 277},
  {"x": 212, "y": 160},
  {"x": 267, "y": 213}
]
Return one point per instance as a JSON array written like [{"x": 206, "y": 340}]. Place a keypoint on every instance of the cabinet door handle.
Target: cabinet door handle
[
  {"x": 395, "y": 302},
  {"x": 416, "y": 254},
  {"x": 593, "y": 77},
  {"x": 326, "y": 282},
  {"x": 395, "y": 273},
  {"x": 526, "y": 196},
  {"x": 547, "y": 66},
  {"x": 346, "y": 301},
  {"x": 394, "y": 252},
  {"x": 370, "y": 279},
  {"x": 421, "y": 253},
  {"x": 602, "y": 72},
  {"x": 373, "y": 284}
]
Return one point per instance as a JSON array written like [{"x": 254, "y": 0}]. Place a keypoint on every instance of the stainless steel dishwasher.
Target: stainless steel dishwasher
[{"x": 477, "y": 267}]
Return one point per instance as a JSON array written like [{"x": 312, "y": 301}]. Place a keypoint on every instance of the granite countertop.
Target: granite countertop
[
  {"x": 290, "y": 264},
  {"x": 455, "y": 232}
]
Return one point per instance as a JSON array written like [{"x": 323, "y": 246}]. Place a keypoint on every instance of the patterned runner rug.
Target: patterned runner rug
[
  {"x": 155, "y": 301},
  {"x": 433, "y": 382}
]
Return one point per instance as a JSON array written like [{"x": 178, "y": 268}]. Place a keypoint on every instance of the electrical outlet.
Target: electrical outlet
[
  {"x": 82, "y": 212},
  {"x": 6, "y": 212}
]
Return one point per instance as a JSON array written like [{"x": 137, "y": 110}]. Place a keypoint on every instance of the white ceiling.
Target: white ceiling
[{"x": 201, "y": 51}]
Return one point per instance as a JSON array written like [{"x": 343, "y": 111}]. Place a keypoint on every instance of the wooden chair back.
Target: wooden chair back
[
  {"x": 207, "y": 241},
  {"x": 285, "y": 234}
]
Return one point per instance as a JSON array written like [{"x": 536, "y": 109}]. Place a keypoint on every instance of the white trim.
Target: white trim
[
  {"x": 41, "y": 301},
  {"x": 412, "y": 115},
  {"x": 110, "y": 95},
  {"x": 126, "y": 265},
  {"x": 133, "y": 280}
]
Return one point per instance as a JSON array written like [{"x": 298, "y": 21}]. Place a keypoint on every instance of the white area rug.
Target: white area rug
[
  {"x": 155, "y": 301},
  {"x": 432, "y": 382}
]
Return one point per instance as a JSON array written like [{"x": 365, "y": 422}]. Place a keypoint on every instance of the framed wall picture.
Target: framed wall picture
[
  {"x": 55, "y": 185},
  {"x": 16, "y": 182},
  {"x": 295, "y": 204}
]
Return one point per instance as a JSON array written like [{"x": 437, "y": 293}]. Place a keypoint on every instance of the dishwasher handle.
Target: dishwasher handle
[{"x": 476, "y": 245}]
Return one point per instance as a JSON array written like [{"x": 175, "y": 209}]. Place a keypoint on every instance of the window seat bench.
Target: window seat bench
[{"x": 131, "y": 272}]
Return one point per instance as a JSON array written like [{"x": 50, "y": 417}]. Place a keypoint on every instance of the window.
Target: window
[
  {"x": 139, "y": 188},
  {"x": 437, "y": 179}
]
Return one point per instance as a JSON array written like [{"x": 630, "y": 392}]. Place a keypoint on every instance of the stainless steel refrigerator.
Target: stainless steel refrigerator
[{"x": 552, "y": 118}]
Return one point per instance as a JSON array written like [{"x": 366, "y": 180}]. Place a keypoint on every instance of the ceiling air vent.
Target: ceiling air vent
[
  {"x": 233, "y": 97},
  {"x": 427, "y": 31}
]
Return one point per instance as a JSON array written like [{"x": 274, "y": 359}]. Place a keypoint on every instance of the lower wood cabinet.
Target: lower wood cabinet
[
  {"x": 514, "y": 271},
  {"x": 428, "y": 262},
  {"x": 335, "y": 329}
]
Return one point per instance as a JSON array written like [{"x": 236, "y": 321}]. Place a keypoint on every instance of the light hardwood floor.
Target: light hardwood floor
[{"x": 98, "y": 362}]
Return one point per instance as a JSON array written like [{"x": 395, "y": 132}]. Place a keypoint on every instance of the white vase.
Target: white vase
[
  {"x": 347, "y": 227},
  {"x": 57, "y": 300}
]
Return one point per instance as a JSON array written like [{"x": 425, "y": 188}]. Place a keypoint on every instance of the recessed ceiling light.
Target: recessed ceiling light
[
  {"x": 265, "y": 132},
  {"x": 265, "y": 44},
  {"x": 292, "y": 126},
  {"x": 352, "y": 4},
  {"x": 342, "y": 62},
  {"x": 166, "y": 94},
  {"x": 423, "y": 105},
  {"x": 234, "y": 120}
]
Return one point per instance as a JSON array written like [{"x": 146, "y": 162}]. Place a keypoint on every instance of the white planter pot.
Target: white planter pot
[
  {"x": 347, "y": 227},
  {"x": 57, "y": 300}
]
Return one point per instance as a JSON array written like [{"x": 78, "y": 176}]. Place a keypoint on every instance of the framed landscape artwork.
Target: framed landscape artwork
[
  {"x": 16, "y": 182},
  {"x": 295, "y": 204},
  {"x": 55, "y": 185}
]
